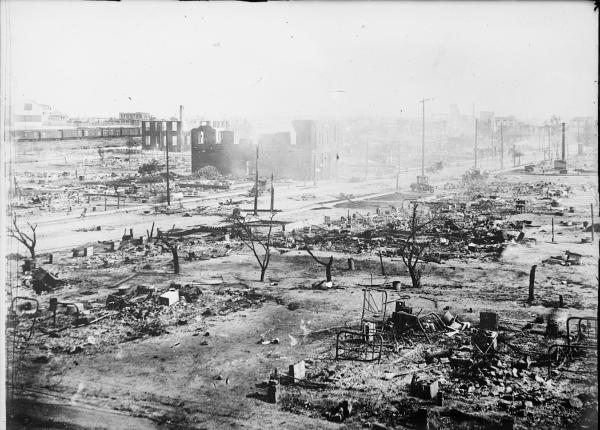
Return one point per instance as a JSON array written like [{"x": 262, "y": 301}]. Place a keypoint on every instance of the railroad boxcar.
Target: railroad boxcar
[
  {"x": 92, "y": 132},
  {"x": 30, "y": 135},
  {"x": 130, "y": 131},
  {"x": 70, "y": 134},
  {"x": 50, "y": 134},
  {"x": 110, "y": 132}
]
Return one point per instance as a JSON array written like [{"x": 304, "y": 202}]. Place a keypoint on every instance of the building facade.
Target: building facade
[
  {"x": 31, "y": 115},
  {"x": 157, "y": 134}
]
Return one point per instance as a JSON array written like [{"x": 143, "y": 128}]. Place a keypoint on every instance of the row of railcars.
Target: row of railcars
[{"x": 77, "y": 133}]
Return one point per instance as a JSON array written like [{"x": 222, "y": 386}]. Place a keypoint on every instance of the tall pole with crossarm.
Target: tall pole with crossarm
[{"x": 423, "y": 139}]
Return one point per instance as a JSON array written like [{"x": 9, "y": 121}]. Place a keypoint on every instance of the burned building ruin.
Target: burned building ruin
[
  {"x": 157, "y": 133},
  {"x": 311, "y": 154}
]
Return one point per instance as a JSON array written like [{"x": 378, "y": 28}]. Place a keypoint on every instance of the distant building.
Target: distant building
[
  {"x": 29, "y": 114},
  {"x": 134, "y": 118},
  {"x": 585, "y": 128},
  {"x": 507, "y": 122}
]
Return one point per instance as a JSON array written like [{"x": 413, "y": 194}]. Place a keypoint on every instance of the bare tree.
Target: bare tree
[
  {"x": 253, "y": 241},
  {"x": 327, "y": 264},
  {"x": 412, "y": 250},
  {"x": 173, "y": 247},
  {"x": 28, "y": 241}
]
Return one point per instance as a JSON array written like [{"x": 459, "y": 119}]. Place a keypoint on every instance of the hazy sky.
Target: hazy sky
[{"x": 305, "y": 59}]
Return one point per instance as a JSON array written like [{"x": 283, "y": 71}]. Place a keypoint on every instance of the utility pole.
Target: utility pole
[
  {"x": 423, "y": 139},
  {"x": 256, "y": 183},
  {"x": 514, "y": 153},
  {"x": 315, "y": 168},
  {"x": 501, "y": 145},
  {"x": 167, "y": 147},
  {"x": 475, "y": 143},
  {"x": 367, "y": 163},
  {"x": 272, "y": 194},
  {"x": 493, "y": 147},
  {"x": 549, "y": 144}
]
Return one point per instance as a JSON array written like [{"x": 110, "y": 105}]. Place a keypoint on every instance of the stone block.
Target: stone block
[
  {"x": 298, "y": 370},
  {"x": 169, "y": 298}
]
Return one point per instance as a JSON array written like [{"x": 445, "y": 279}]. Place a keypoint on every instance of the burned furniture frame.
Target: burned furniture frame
[
  {"x": 585, "y": 340},
  {"x": 357, "y": 346},
  {"x": 374, "y": 309}
]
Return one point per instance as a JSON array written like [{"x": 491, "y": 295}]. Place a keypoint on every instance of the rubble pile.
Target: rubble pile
[{"x": 501, "y": 372}]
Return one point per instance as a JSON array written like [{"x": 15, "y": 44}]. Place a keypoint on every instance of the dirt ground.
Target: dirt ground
[{"x": 206, "y": 363}]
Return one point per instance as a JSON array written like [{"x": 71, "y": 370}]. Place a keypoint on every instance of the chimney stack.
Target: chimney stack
[{"x": 181, "y": 113}]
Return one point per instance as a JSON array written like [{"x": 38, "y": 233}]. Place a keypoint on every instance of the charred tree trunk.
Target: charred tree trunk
[
  {"x": 381, "y": 263},
  {"x": 531, "y": 283},
  {"x": 415, "y": 276},
  {"x": 328, "y": 269},
  {"x": 351, "y": 265},
  {"x": 175, "y": 260},
  {"x": 327, "y": 265}
]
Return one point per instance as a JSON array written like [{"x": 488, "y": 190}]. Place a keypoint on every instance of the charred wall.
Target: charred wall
[
  {"x": 157, "y": 134},
  {"x": 226, "y": 156},
  {"x": 312, "y": 156}
]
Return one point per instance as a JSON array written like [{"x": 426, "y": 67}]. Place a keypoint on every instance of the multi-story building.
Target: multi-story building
[
  {"x": 134, "y": 118},
  {"x": 156, "y": 134}
]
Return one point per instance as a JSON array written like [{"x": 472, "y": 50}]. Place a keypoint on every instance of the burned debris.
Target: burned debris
[{"x": 334, "y": 250}]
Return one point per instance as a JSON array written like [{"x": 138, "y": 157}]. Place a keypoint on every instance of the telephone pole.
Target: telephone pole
[
  {"x": 167, "y": 147},
  {"x": 272, "y": 194},
  {"x": 367, "y": 163},
  {"x": 502, "y": 145},
  {"x": 475, "y": 143},
  {"x": 423, "y": 138},
  {"x": 256, "y": 184},
  {"x": 493, "y": 147}
]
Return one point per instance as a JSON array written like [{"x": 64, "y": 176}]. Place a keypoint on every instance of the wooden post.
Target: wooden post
[
  {"x": 105, "y": 200},
  {"x": 552, "y": 230},
  {"x": 560, "y": 301},
  {"x": 531, "y": 283}
]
